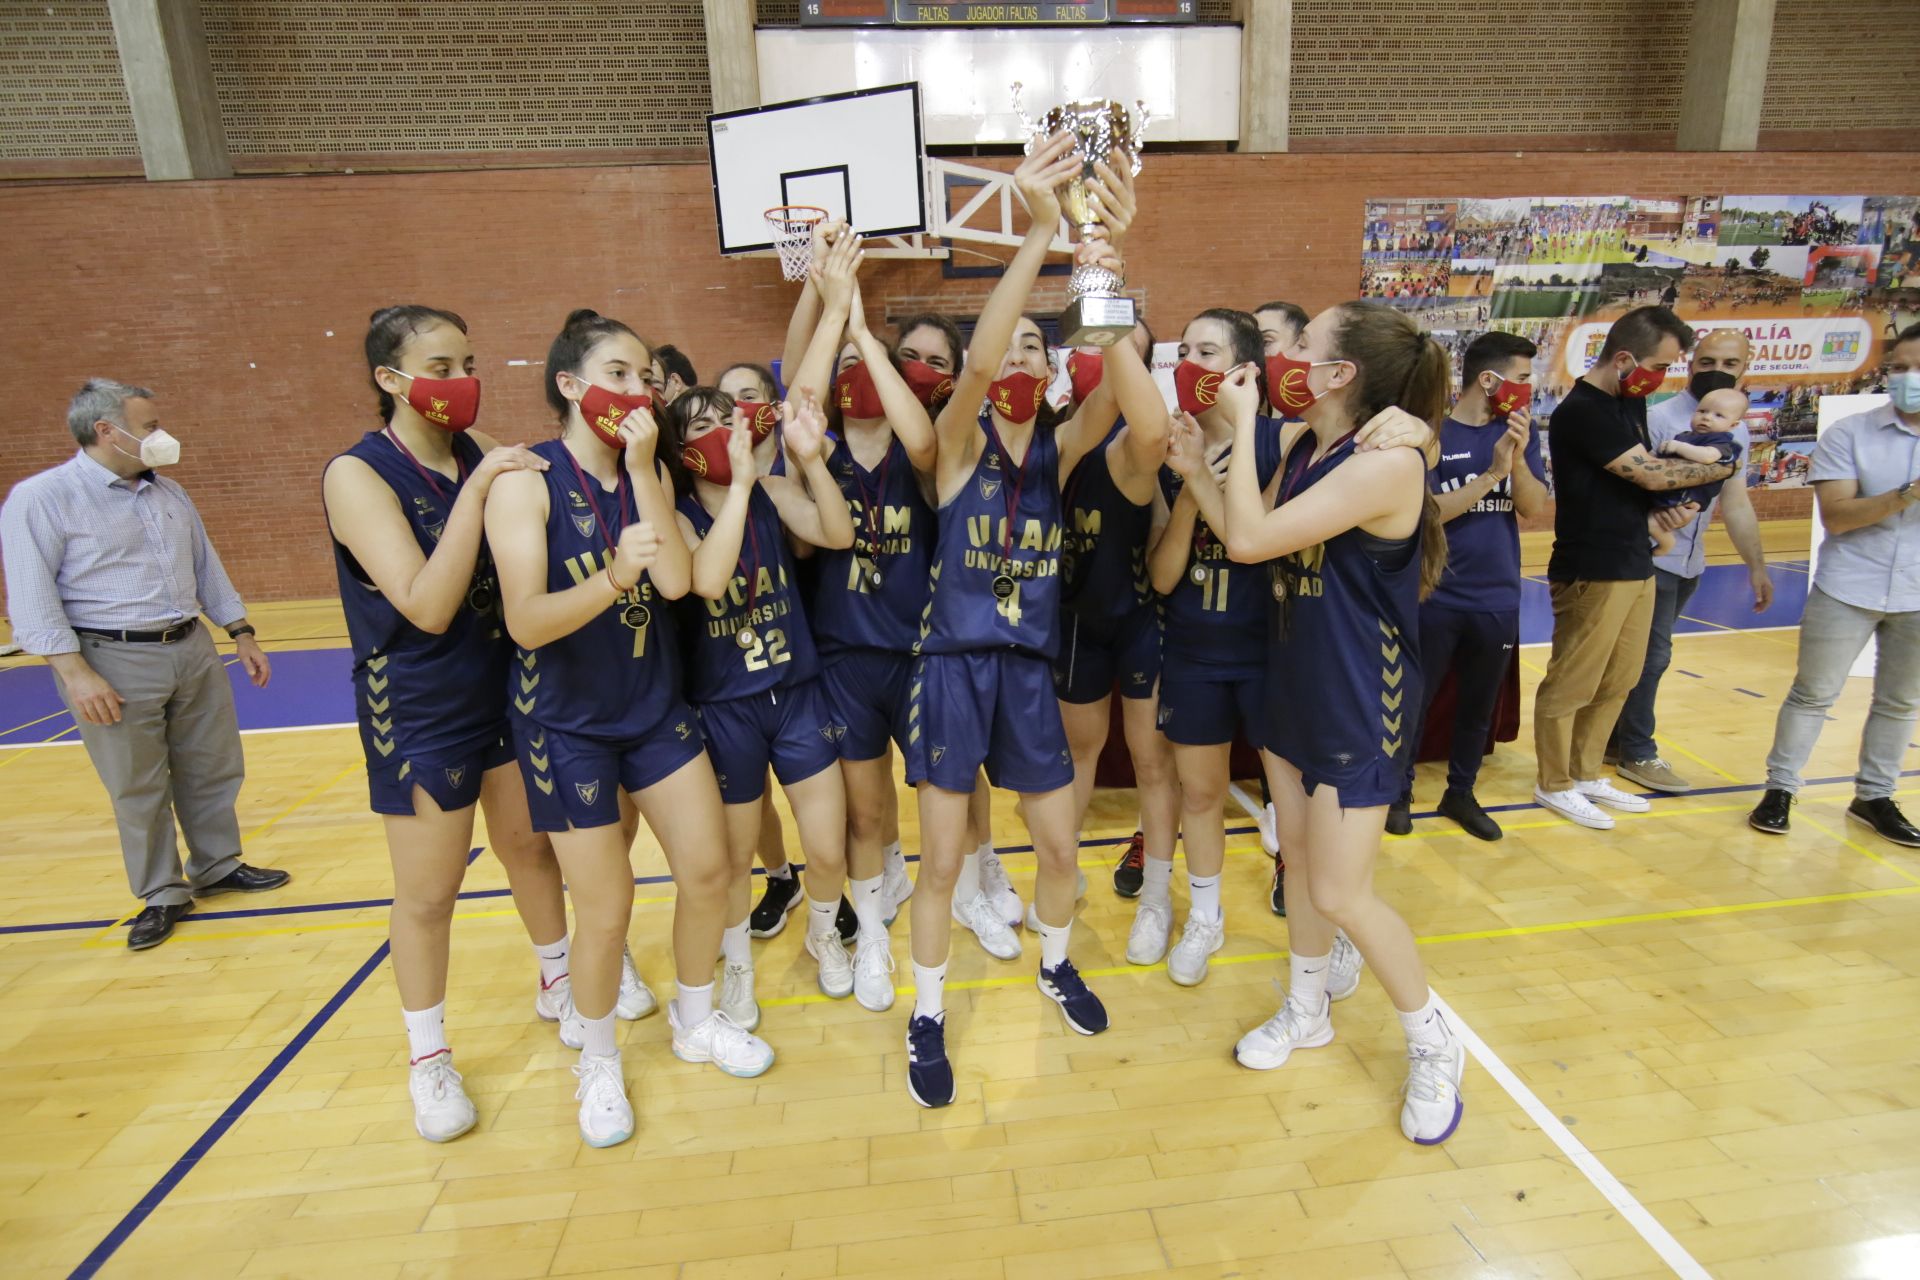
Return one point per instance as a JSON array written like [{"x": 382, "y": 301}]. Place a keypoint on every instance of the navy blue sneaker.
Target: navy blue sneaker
[
  {"x": 929, "y": 1074},
  {"x": 1082, "y": 1009}
]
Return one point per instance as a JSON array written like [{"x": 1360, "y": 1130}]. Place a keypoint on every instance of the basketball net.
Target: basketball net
[{"x": 792, "y": 226}]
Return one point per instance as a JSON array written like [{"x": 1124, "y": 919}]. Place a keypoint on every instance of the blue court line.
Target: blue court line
[{"x": 144, "y": 1207}]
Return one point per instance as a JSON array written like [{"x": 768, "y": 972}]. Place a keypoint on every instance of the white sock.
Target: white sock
[
  {"x": 553, "y": 961},
  {"x": 1204, "y": 896},
  {"x": 891, "y": 854},
  {"x": 426, "y": 1032},
  {"x": 820, "y": 917},
  {"x": 1053, "y": 942},
  {"x": 694, "y": 1004},
  {"x": 868, "y": 906},
  {"x": 736, "y": 947},
  {"x": 783, "y": 872},
  {"x": 596, "y": 1037},
  {"x": 929, "y": 989},
  {"x": 1157, "y": 884},
  {"x": 1307, "y": 982},
  {"x": 967, "y": 888},
  {"x": 1425, "y": 1026}
]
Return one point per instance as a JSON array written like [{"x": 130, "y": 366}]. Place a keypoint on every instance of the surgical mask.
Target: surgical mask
[
  {"x": 1903, "y": 387},
  {"x": 157, "y": 449}
]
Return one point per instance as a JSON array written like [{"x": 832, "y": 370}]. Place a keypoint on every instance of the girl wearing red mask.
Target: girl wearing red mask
[
  {"x": 981, "y": 691},
  {"x": 752, "y": 672},
  {"x": 590, "y": 554},
  {"x": 404, "y": 507},
  {"x": 1356, "y": 543}
]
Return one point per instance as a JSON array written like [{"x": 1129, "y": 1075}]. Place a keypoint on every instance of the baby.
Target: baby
[{"x": 1708, "y": 438}]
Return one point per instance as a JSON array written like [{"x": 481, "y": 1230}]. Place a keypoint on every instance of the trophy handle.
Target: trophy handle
[
  {"x": 1026, "y": 125},
  {"x": 1141, "y": 117}
]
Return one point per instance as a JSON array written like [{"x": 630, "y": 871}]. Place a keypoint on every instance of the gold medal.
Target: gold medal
[
  {"x": 635, "y": 616},
  {"x": 746, "y": 639},
  {"x": 1002, "y": 587},
  {"x": 1197, "y": 575},
  {"x": 1279, "y": 588}
]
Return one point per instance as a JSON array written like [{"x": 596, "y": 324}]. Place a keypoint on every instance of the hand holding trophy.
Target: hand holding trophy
[{"x": 1097, "y": 313}]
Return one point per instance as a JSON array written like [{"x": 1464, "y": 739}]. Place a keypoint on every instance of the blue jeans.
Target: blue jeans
[
  {"x": 1633, "y": 735},
  {"x": 1832, "y": 634}
]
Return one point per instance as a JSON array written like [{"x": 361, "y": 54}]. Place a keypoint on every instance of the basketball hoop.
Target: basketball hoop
[{"x": 792, "y": 226}]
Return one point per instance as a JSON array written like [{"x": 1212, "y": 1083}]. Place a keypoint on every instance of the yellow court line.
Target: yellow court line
[
  {"x": 97, "y": 939},
  {"x": 1668, "y": 742},
  {"x": 27, "y": 751},
  {"x": 51, "y": 715},
  {"x": 1860, "y": 849}
]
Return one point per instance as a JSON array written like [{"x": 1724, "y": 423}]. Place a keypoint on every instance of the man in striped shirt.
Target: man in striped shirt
[{"x": 108, "y": 569}]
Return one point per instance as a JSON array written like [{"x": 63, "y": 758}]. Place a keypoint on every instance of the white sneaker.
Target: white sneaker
[
  {"x": 441, "y": 1109},
  {"x": 1433, "y": 1104},
  {"x": 873, "y": 973},
  {"x": 984, "y": 918},
  {"x": 1267, "y": 1045},
  {"x": 573, "y": 1028},
  {"x": 1600, "y": 791},
  {"x": 1187, "y": 962},
  {"x": 1269, "y": 830},
  {"x": 999, "y": 890},
  {"x": 635, "y": 1001},
  {"x": 1152, "y": 925},
  {"x": 836, "y": 971},
  {"x": 736, "y": 996},
  {"x": 1574, "y": 807},
  {"x": 606, "y": 1117},
  {"x": 896, "y": 886},
  {"x": 552, "y": 1002},
  {"x": 1033, "y": 912},
  {"x": 1343, "y": 970},
  {"x": 721, "y": 1041}
]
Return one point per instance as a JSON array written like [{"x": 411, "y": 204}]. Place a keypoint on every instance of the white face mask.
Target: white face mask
[{"x": 157, "y": 449}]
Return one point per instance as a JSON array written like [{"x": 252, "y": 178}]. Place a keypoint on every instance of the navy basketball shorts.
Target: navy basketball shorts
[
  {"x": 1095, "y": 653},
  {"x": 993, "y": 707},
  {"x": 867, "y": 689},
  {"x": 1205, "y": 713},
  {"x": 574, "y": 780},
  {"x": 1363, "y": 784},
  {"x": 451, "y": 775},
  {"x": 793, "y": 729}
]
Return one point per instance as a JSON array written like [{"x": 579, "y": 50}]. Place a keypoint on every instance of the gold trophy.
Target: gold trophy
[{"x": 1097, "y": 314}]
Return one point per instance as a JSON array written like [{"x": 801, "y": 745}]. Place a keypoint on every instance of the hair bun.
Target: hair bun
[{"x": 584, "y": 315}]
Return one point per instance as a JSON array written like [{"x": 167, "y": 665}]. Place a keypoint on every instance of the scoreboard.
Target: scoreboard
[{"x": 973, "y": 13}]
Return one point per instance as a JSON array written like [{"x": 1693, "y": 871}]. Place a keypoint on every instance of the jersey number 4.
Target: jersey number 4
[{"x": 1010, "y": 607}]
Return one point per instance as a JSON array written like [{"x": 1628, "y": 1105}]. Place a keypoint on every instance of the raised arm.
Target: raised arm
[
  {"x": 672, "y": 568},
  {"x": 817, "y": 511},
  {"x": 905, "y": 414},
  {"x": 1529, "y": 490},
  {"x": 717, "y": 555},
  {"x": 806, "y": 310},
  {"x": 366, "y": 518},
  {"x": 1364, "y": 488},
  {"x": 1051, "y": 164},
  {"x": 833, "y": 274},
  {"x": 516, "y": 523}
]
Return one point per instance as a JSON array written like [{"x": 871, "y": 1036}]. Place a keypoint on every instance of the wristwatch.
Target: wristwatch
[
  {"x": 244, "y": 629},
  {"x": 1905, "y": 491}
]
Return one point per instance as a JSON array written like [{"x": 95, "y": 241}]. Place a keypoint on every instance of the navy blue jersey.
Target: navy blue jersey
[
  {"x": 442, "y": 690},
  {"x": 762, "y": 600},
  {"x": 1704, "y": 494},
  {"x": 1216, "y": 629},
  {"x": 1483, "y": 542},
  {"x": 618, "y": 676},
  {"x": 977, "y": 544},
  {"x": 892, "y": 536},
  {"x": 1343, "y": 669},
  {"x": 1103, "y": 550}
]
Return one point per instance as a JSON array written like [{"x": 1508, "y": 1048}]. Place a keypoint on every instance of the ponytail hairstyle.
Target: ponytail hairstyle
[
  {"x": 388, "y": 330},
  {"x": 1399, "y": 366},
  {"x": 675, "y": 418},
  {"x": 583, "y": 331}
]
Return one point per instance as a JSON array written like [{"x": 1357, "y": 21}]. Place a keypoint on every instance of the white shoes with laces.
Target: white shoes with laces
[
  {"x": 636, "y": 1000},
  {"x": 1343, "y": 968},
  {"x": 998, "y": 889},
  {"x": 721, "y": 1041},
  {"x": 1187, "y": 962},
  {"x": 836, "y": 970},
  {"x": 988, "y": 923},
  {"x": 736, "y": 996},
  {"x": 606, "y": 1117},
  {"x": 1574, "y": 807},
  {"x": 1600, "y": 791},
  {"x": 873, "y": 973},
  {"x": 896, "y": 886},
  {"x": 1152, "y": 926},
  {"x": 1269, "y": 1045},
  {"x": 1433, "y": 1106},
  {"x": 441, "y": 1109}
]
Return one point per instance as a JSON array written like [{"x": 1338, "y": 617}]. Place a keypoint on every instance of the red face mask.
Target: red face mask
[
  {"x": 605, "y": 410},
  {"x": 761, "y": 418},
  {"x": 927, "y": 383},
  {"x": 1196, "y": 386},
  {"x": 1641, "y": 382},
  {"x": 707, "y": 457},
  {"x": 1017, "y": 396},
  {"x": 856, "y": 394},
  {"x": 1510, "y": 398},
  {"x": 1287, "y": 384},
  {"x": 1085, "y": 370},
  {"x": 450, "y": 404}
]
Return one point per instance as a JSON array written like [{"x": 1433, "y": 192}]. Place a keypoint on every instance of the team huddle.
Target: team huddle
[{"x": 697, "y": 590}]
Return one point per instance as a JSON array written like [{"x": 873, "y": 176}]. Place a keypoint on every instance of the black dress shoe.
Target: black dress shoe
[
  {"x": 1131, "y": 871},
  {"x": 1277, "y": 899},
  {"x": 1884, "y": 816},
  {"x": 1770, "y": 815},
  {"x": 244, "y": 879},
  {"x": 846, "y": 922},
  {"x": 1400, "y": 817},
  {"x": 1465, "y": 810},
  {"x": 155, "y": 925}
]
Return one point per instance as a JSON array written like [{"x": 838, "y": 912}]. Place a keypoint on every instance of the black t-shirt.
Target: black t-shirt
[{"x": 1599, "y": 519}]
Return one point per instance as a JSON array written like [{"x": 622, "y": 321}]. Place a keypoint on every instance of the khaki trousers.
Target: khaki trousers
[{"x": 1599, "y": 648}]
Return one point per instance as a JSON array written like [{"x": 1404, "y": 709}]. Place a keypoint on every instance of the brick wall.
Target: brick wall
[{"x": 244, "y": 302}]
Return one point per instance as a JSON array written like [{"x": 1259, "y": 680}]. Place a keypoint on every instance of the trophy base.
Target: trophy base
[{"x": 1096, "y": 320}]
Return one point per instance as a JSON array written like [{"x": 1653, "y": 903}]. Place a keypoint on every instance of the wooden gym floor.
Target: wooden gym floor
[{"x": 1694, "y": 1054}]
